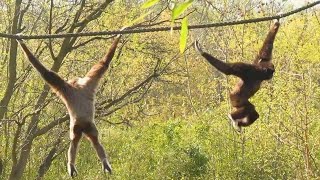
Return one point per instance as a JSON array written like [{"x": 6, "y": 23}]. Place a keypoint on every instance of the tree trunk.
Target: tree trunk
[{"x": 12, "y": 63}]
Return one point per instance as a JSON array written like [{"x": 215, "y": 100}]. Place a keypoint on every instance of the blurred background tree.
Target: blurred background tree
[{"x": 162, "y": 114}]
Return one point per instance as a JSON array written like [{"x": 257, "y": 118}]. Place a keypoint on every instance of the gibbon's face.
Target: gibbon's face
[{"x": 73, "y": 81}]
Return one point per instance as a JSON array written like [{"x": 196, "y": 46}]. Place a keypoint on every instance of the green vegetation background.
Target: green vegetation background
[{"x": 176, "y": 127}]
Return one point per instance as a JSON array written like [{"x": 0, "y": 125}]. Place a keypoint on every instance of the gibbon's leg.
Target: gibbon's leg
[
  {"x": 75, "y": 136},
  {"x": 96, "y": 72},
  {"x": 92, "y": 134},
  {"x": 53, "y": 79},
  {"x": 265, "y": 53}
]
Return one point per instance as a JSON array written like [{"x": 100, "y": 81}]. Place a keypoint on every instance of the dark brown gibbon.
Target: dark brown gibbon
[
  {"x": 79, "y": 97},
  {"x": 251, "y": 77}
]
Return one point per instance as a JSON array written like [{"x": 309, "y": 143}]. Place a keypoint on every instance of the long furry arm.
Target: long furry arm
[
  {"x": 265, "y": 53},
  {"x": 223, "y": 67},
  {"x": 239, "y": 69},
  {"x": 52, "y": 78},
  {"x": 96, "y": 72}
]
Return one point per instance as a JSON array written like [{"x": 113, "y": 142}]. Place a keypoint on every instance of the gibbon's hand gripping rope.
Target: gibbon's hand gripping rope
[{"x": 156, "y": 29}]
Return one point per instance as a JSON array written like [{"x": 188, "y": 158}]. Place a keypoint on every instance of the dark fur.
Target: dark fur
[
  {"x": 78, "y": 95},
  {"x": 251, "y": 77}
]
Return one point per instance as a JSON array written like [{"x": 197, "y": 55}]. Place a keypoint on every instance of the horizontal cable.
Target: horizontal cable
[{"x": 157, "y": 29}]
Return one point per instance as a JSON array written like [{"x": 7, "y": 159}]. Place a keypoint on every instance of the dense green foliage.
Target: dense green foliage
[{"x": 175, "y": 125}]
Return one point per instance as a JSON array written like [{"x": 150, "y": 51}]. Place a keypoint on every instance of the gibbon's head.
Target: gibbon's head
[
  {"x": 73, "y": 81},
  {"x": 268, "y": 68}
]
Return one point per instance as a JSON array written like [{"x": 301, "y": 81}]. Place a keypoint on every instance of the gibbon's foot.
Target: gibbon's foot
[
  {"x": 72, "y": 170},
  {"x": 106, "y": 166},
  {"x": 234, "y": 124}
]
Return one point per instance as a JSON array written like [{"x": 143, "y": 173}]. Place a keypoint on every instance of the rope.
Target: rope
[{"x": 157, "y": 29}]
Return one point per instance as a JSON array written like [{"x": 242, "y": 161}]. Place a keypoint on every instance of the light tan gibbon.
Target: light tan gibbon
[{"x": 79, "y": 97}]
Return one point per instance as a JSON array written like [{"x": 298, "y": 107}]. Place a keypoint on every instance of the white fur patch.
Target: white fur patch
[
  {"x": 245, "y": 120},
  {"x": 83, "y": 81}
]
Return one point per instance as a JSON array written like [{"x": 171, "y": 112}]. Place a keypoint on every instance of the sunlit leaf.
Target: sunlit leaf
[
  {"x": 179, "y": 9},
  {"x": 149, "y": 3},
  {"x": 183, "y": 35}
]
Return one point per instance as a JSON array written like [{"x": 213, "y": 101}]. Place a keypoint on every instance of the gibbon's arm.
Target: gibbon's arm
[
  {"x": 239, "y": 69},
  {"x": 265, "y": 53},
  {"x": 53, "y": 79},
  {"x": 96, "y": 72},
  {"x": 226, "y": 68}
]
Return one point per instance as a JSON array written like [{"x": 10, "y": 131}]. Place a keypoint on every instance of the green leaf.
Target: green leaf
[
  {"x": 179, "y": 9},
  {"x": 149, "y": 4},
  {"x": 184, "y": 35}
]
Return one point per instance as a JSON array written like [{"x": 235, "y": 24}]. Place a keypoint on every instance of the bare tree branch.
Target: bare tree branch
[
  {"x": 51, "y": 125},
  {"x": 61, "y": 28},
  {"x": 78, "y": 13},
  {"x": 50, "y": 30},
  {"x": 93, "y": 15},
  {"x": 125, "y": 103},
  {"x": 22, "y": 13},
  {"x": 126, "y": 94},
  {"x": 90, "y": 40},
  {"x": 44, "y": 167}
]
